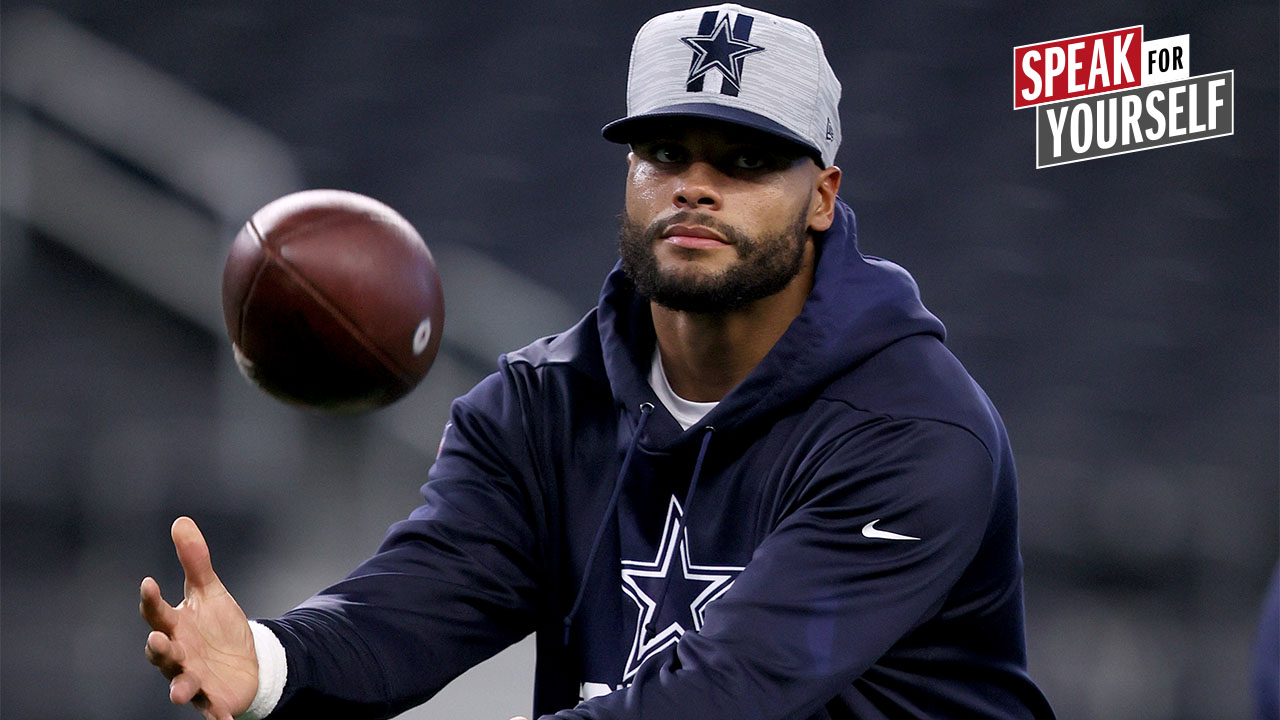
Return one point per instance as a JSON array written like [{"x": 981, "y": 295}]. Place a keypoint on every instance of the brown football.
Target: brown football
[{"x": 332, "y": 301}]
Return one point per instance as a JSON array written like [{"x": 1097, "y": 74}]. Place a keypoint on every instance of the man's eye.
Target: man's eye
[
  {"x": 666, "y": 154},
  {"x": 750, "y": 161}
]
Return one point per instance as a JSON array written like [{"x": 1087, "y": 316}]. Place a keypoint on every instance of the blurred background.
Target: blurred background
[{"x": 1122, "y": 312}]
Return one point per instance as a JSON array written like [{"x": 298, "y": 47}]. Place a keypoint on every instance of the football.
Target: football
[{"x": 332, "y": 301}]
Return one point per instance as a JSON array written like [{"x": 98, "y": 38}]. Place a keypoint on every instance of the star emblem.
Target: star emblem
[
  {"x": 719, "y": 50},
  {"x": 690, "y": 589}
]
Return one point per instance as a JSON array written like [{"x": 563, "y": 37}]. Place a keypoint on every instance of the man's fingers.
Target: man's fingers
[
  {"x": 193, "y": 553},
  {"x": 208, "y": 709},
  {"x": 164, "y": 654},
  {"x": 183, "y": 687},
  {"x": 159, "y": 614},
  {"x": 163, "y": 648}
]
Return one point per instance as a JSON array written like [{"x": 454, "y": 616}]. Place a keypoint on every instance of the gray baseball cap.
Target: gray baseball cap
[{"x": 735, "y": 64}]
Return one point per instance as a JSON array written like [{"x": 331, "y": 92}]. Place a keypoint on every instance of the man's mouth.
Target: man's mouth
[{"x": 694, "y": 237}]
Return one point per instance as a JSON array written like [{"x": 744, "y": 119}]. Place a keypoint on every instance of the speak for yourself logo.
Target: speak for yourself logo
[{"x": 1112, "y": 92}]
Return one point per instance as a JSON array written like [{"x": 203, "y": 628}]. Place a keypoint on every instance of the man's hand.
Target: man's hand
[{"x": 204, "y": 645}]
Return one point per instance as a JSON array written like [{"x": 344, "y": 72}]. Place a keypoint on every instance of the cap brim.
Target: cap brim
[{"x": 623, "y": 130}]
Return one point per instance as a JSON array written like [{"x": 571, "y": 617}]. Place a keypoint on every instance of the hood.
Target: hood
[{"x": 859, "y": 305}]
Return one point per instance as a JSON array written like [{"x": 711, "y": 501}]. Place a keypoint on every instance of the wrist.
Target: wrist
[{"x": 272, "y": 672}]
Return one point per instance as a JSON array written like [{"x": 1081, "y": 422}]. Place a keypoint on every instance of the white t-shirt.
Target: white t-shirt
[{"x": 686, "y": 412}]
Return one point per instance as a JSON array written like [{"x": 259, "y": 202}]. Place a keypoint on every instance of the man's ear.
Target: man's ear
[{"x": 822, "y": 203}]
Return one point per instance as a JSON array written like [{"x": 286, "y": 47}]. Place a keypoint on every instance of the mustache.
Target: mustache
[{"x": 690, "y": 217}]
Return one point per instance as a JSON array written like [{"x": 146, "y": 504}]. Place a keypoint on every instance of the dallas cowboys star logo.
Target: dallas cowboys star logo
[
  {"x": 724, "y": 49},
  {"x": 690, "y": 588}
]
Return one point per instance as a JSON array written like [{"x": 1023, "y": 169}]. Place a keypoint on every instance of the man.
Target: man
[{"x": 751, "y": 483}]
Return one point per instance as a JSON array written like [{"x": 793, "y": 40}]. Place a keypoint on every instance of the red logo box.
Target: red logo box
[{"x": 1076, "y": 66}]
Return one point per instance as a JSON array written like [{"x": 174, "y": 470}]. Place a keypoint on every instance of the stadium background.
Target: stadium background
[{"x": 1122, "y": 313}]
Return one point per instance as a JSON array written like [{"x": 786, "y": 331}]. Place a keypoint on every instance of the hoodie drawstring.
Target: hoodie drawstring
[
  {"x": 646, "y": 409},
  {"x": 650, "y": 629}
]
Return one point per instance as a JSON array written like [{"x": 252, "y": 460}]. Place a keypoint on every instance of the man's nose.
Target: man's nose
[{"x": 698, "y": 188}]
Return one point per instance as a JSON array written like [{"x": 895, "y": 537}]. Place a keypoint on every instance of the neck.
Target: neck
[{"x": 705, "y": 355}]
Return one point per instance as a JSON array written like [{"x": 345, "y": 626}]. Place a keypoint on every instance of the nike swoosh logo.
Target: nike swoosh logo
[{"x": 869, "y": 530}]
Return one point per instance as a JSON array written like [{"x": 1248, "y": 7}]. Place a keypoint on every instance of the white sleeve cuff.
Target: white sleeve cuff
[{"x": 272, "y": 672}]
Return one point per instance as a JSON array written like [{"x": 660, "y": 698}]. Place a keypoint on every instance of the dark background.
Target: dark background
[{"x": 1121, "y": 312}]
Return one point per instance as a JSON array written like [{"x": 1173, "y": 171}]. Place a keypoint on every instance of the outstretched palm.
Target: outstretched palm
[{"x": 203, "y": 645}]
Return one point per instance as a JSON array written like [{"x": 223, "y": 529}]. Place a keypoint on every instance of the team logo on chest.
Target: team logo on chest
[
  {"x": 670, "y": 591},
  {"x": 722, "y": 46}
]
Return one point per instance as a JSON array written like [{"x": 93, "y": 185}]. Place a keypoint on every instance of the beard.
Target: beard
[{"x": 764, "y": 266}]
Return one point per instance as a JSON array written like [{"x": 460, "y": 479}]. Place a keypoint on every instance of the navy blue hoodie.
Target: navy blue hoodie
[{"x": 836, "y": 539}]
